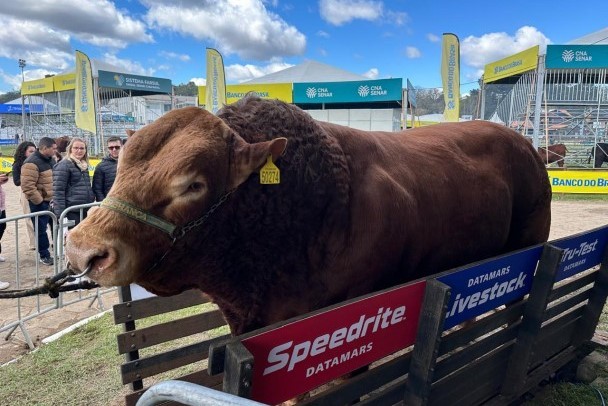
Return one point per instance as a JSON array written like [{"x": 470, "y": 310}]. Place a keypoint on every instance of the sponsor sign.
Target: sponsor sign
[
  {"x": 280, "y": 91},
  {"x": 38, "y": 86},
  {"x": 512, "y": 65},
  {"x": 134, "y": 82},
  {"x": 216, "y": 81},
  {"x": 6, "y": 164},
  {"x": 16, "y": 108},
  {"x": 576, "y": 56},
  {"x": 302, "y": 355},
  {"x": 582, "y": 252},
  {"x": 84, "y": 99},
  {"x": 64, "y": 82},
  {"x": 487, "y": 285},
  {"x": 450, "y": 76},
  {"x": 348, "y": 92},
  {"x": 578, "y": 181}
]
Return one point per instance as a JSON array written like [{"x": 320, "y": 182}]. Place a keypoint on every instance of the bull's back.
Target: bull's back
[{"x": 446, "y": 195}]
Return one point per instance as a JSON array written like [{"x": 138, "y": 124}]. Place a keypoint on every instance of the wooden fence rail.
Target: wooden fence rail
[{"x": 493, "y": 360}]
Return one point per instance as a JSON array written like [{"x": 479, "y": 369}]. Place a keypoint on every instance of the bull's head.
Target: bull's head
[{"x": 174, "y": 169}]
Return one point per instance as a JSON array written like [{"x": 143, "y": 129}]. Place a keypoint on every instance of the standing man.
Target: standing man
[
  {"x": 105, "y": 172},
  {"x": 37, "y": 185}
]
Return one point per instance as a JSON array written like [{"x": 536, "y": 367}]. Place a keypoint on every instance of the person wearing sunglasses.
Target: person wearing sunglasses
[
  {"x": 71, "y": 181},
  {"x": 105, "y": 172}
]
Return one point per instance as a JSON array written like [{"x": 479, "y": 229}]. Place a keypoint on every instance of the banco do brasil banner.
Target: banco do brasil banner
[
  {"x": 576, "y": 56},
  {"x": 37, "y": 86},
  {"x": 348, "y": 92},
  {"x": 84, "y": 99},
  {"x": 579, "y": 181},
  {"x": 134, "y": 82},
  {"x": 279, "y": 91},
  {"x": 450, "y": 76},
  {"x": 512, "y": 65}
]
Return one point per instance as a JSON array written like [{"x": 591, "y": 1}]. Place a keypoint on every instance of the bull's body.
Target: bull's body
[{"x": 355, "y": 211}]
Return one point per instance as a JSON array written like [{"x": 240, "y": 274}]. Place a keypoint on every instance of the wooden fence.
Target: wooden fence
[{"x": 494, "y": 360}]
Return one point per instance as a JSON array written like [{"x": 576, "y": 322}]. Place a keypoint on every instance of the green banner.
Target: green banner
[
  {"x": 348, "y": 92},
  {"x": 576, "y": 56},
  {"x": 134, "y": 82}
]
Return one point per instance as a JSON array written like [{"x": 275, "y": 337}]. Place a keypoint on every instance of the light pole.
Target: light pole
[{"x": 22, "y": 65}]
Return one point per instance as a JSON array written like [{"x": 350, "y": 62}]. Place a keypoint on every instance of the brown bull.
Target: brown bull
[
  {"x": 354, "y": 211},
  {"x": 553, "y": 153}
]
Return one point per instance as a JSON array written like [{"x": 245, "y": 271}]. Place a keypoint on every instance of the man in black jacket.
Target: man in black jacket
[{"x": 105, "y": 172}]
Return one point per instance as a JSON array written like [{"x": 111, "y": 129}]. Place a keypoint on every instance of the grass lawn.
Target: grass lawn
[{"x": 83, "y": 366}]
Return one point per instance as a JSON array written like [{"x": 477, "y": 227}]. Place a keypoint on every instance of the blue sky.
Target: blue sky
[{"x": 378, "y": 39}]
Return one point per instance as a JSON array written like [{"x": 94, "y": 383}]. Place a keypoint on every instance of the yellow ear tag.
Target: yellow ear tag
[{"x": 270, "y": 173}]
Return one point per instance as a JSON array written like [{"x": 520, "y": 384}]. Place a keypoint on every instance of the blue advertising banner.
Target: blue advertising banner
[
  {"x": 582, "y": 251},
  {"x": 16, "y": 108},
  {"x": 576, "y": 56},
  {"x": 489, "y": 284},
  {"x": 134, "y": 82},
  {"x": 348, "y": 92}
]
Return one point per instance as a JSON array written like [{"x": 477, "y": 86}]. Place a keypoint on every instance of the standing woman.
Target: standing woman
[
  {"x": 25, "y": 149},
  {"x": 72, "y": 182}
]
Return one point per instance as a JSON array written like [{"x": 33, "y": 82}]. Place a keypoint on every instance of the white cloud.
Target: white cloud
[
  {"x": 243, "y": 27},
  {"x": 398, "y": 18},
  {"x": 128, "y": 65},
  {"x": 322, "y": 34},
  {"x": 97, "y": 22},
  {"x": 339, "y": 12},
  {"x": 199, "y": 81},
  {"x": 39, "y": 45},
  {"x": 479, "y": 51},
  {"x": 173, "y": 55},
  {"x": 242, "y": 73},
  {"x": 432, "y": 37},
  {"x": 372, "y": 73},
  {"x": 412, "y": 52}
]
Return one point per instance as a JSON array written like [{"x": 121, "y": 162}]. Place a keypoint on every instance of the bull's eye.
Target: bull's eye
[{"x": 196, "y": 187}]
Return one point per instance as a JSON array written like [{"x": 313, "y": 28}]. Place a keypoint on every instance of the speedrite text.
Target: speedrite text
[{"x": 287, "y": 355}]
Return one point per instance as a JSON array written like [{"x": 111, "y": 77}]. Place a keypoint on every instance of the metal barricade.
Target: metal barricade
[{"x": 27, "y": 276}]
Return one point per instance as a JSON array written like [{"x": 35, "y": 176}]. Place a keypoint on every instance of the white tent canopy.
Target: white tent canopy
[{"x": 309, "y": 71}]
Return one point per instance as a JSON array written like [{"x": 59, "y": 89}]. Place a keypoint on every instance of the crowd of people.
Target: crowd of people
[{"x": 52, "y": 182}]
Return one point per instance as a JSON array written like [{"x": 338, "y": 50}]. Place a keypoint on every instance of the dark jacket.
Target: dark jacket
[
  {"x": 104, "y": 176},
  {"x": 17, "y": 173},
  {"x": 71, "y": 186},
  {"x": 37, "y": 178}
]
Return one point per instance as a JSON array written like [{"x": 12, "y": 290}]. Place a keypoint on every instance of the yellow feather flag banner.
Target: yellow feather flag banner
[
  {"x": 450, "y": 76},
  {"x": 84, "y": 97},
  {"x": 216, "y": 82}
]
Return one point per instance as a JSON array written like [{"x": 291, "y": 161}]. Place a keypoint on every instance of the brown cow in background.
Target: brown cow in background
[
  {"x": 553, "y": 153},
  {"x": 354, "y": 211}
]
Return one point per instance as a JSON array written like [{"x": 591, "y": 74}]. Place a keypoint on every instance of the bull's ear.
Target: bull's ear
[
  {"x": 129, "y": 132},
  {"x": 250, "y": 158}
]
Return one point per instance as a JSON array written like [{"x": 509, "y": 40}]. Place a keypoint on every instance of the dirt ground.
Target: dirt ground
[{"x": 568, "y": 217}]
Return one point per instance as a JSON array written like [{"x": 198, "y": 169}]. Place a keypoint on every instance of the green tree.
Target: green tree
[
  {"x": 12, "y": 95},
  {"x": 186, "y": 89}
]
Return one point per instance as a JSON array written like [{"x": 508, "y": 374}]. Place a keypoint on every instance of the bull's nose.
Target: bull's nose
[{"x": 80, "y": 256}]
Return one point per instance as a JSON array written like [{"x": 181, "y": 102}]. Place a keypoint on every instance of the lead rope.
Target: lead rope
[{"x": 53, "y": 286}]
